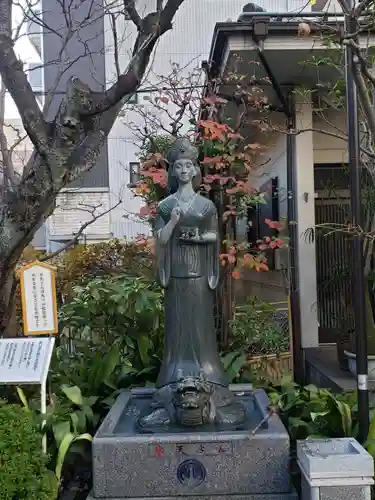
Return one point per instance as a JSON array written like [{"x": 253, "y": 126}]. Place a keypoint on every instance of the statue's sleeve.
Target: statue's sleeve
[
  {"x": 213, "y": 249},
  {"x": 163, "y": 252}
]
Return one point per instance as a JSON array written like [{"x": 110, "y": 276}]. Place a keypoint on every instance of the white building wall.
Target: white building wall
[
  {"x": 188, "y": 44},
  {"x": 76, "y": 207}
]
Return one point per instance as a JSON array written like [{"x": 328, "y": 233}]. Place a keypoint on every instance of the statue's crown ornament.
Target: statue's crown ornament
[{"x": 182, "y": 148}]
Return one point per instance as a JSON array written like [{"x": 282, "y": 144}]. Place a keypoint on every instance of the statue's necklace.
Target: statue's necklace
[{"x": 185, "y": 205}]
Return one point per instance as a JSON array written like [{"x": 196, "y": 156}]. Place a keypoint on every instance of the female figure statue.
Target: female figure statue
[{"x": 192, "y": 385}]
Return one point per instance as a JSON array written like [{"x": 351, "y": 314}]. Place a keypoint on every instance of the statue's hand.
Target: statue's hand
[
  {"x": 175, "y": 215},
  {"x": 189, "y": 235}
]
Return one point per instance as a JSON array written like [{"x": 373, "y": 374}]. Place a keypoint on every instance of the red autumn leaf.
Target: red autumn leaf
[
  {"x": 144, "y": 211},
  {"x": 223, "y": 180},
  {"x": 163, "y": 99},
  {"x": 232, "y": 190},
  {"x": 208, "y": 160},
  {"x": 248, "y": 259},
  {"x": 213, "y": 99},
  {"x": 213, "y": 130},
  {"x": 262, "y": 267},
  {"x": 273, "y": 224},
  {"x": 279, "y": 243}
]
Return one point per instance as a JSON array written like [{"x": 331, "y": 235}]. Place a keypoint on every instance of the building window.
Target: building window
[
  {"x": 34, "y": 29},
  {"x": 35, "y": 77},
  {"x": 133, "y": 99},
  {"x": 257, "y": 228},
  {"x": 134, "y": 173}
]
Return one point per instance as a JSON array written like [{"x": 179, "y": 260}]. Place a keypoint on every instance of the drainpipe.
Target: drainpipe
[
  {"x": 260, "y": 33},
  {"x": 291, "y": 172},
  {"x": 359, "y": 281}
]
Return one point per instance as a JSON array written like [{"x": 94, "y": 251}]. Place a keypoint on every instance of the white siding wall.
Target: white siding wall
[
  {"x": 73, "y": 209},
  {"x": 188, "y": 44},
  {"x": 272, "y": 163}
]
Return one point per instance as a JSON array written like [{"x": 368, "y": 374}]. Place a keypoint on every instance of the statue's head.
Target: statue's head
[{"x": 182, "y": 165}]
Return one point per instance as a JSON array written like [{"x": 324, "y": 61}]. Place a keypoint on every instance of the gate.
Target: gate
[{"x": 333, "y": 266}]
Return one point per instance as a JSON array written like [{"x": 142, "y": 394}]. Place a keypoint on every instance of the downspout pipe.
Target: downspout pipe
[
  {"x": 274, "y": 82},
  {"x": 260, "y": 33},
  {"x": 295, "y": 302}
]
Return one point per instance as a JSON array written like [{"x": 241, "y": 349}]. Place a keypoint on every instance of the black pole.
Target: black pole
[{"x": 359, "y": 282}]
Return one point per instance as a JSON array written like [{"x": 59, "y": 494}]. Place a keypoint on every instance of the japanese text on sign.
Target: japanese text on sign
[
  {"x": 25, "y": 360},
  {"x": 38, "y": 299}
]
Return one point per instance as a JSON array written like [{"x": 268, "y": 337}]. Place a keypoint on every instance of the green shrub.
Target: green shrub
[
  {"x": 255, "y": 330},
  {"x": 23, "y": 466}
]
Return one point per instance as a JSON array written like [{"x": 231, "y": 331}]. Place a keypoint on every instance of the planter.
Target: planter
[
  {"x": 273, "y": 366},
  {"x": 353, "y": 365},
  {"x": 334, "y": 469}
]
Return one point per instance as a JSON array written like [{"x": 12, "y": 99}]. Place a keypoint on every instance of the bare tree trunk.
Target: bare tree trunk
[{"x": 67, "y": 147}]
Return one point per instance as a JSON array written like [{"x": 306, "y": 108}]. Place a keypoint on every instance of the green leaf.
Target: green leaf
[
  {"x": 60, "y": 430},
  {"x": 370, "y": 443},
  {"x": 91, "y": 400},
  {"x": 22, "y": 397},
  {"x": 316, "y": 415},
  {"x": 144, "y": 345},
  {"x": 75, "y": 421},
  {"x": 228, "y": 359},
  {"x": 64, "y": 447},
  {"x": 108, "y": 365},
  {"x": 73, "y": 393},
  {"x": 63, "y": 450}
]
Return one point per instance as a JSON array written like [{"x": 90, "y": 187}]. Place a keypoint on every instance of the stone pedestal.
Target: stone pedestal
[
  {"x": 249, "y": 463},
  {"x": 335, "y": 469}
]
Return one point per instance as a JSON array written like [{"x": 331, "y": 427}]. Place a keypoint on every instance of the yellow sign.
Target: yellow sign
[{"x": 38, "y": 294}]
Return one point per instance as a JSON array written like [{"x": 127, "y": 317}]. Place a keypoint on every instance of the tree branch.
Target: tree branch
[
  {"x": 15, "y": 80},
  {"x": 324, "y": 132},
  {"x": 10, "y": 178},
  {"x": 151, "y": 28},
  {"x": 80, "y": 231},
  {"x": 129, "y": 7},
  {"x": 364, "y": 97}
]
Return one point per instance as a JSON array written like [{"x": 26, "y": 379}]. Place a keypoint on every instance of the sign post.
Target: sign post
[
  {"x": 25, "y": 361},
  {"x": 39, "y": 304}
]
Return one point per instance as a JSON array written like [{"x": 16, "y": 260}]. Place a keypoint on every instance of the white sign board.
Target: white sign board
[
  {"x": 25, "y": 360},
  {"x": 39, "y": 307}
]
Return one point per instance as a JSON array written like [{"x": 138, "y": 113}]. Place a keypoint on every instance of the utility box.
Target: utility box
[{"x": 334, "y": 469}]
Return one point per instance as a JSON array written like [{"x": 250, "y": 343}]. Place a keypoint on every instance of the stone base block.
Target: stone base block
[
  {"x": 251, "y": 462},
  {"x": 277, "y": 496}
]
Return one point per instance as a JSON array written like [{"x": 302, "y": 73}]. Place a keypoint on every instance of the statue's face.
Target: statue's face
[{"x": 185, "y": 171}]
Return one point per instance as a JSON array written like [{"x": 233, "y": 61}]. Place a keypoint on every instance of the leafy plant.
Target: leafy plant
[
  {"x": 255, "y": 330},
  {"x": 111, "y": 339},
  {"x": 122, "y": 312},
  {"x": 309, "y": 411},
  {"x": 23, "y": 471}
]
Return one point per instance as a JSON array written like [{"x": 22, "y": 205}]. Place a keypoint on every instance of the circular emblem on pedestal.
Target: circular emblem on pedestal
[{"x": 191, "y": 473}]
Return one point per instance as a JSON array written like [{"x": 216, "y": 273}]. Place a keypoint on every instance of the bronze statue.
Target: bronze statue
[{"x": 192, "y": 385}]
